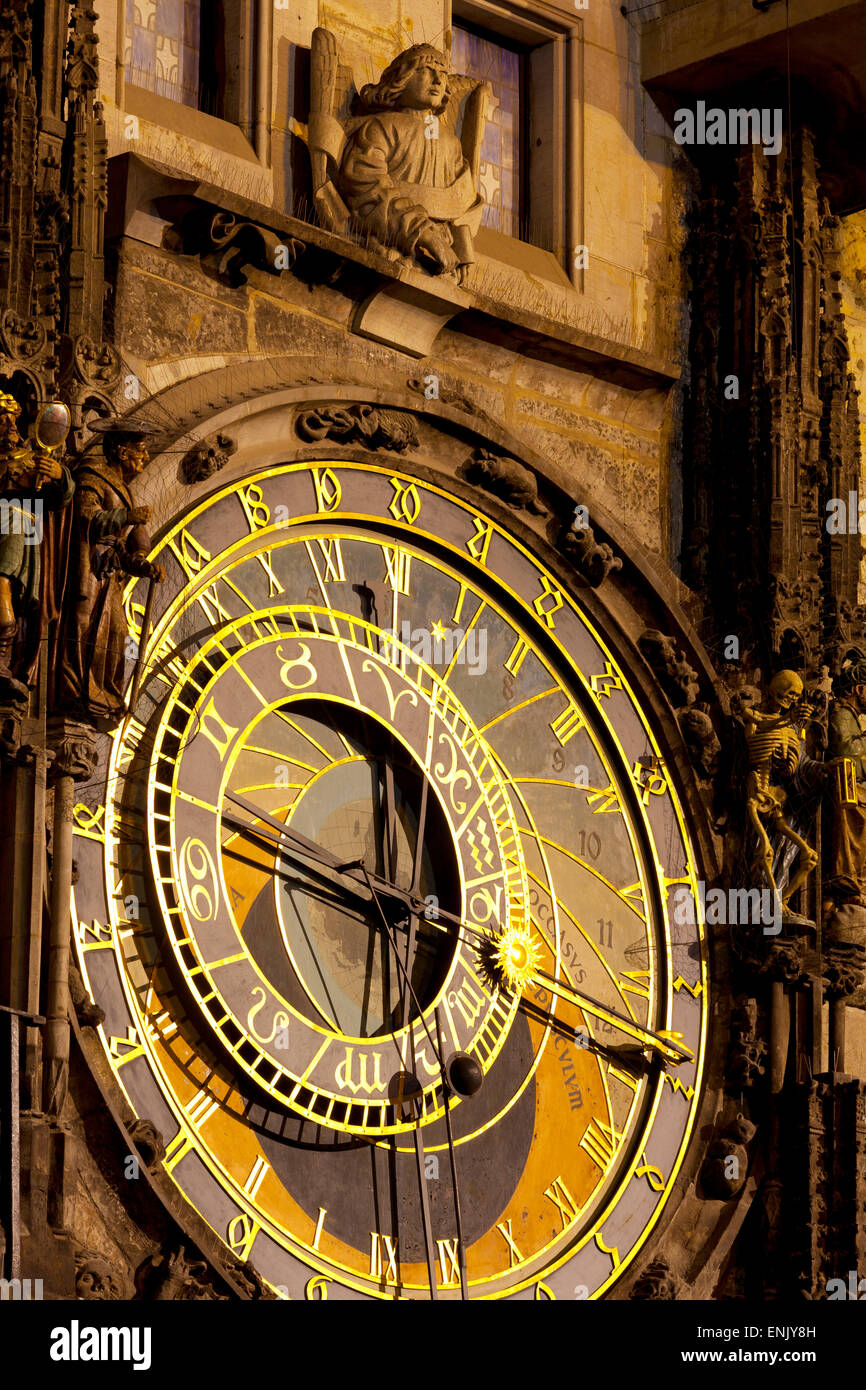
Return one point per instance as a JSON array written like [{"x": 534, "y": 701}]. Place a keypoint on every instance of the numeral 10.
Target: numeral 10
[{"x": 588, "y": 844}]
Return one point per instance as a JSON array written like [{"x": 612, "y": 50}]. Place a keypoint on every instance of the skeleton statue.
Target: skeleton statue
[{"x": 775, "y": 753}]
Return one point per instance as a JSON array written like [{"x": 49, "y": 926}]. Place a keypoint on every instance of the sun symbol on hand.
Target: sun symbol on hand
[{"x": 514, "y": 957}]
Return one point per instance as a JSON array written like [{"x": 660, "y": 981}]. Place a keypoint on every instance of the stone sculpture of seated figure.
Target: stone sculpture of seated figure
[{"x": 403, "y": 175}]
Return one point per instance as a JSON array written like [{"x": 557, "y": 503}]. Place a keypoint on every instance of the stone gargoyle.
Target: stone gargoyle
[{"x": 388, "y": 164}]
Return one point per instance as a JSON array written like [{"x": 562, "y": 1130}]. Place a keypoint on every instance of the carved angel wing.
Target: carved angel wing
[
  {"x": 326, "y": 135},
  {"x": 466, "y": 114}
]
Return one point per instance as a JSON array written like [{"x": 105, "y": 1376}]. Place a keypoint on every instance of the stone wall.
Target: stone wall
[{"x": 615, "y": 444}]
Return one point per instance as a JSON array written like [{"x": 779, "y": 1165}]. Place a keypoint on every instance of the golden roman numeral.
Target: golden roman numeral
[
  {"x": 449, "y": 1262},
  {"x": 608, "y": 800},
  {"x": 397, "y": 564},
  {"x": 514, "y": 1255},
  {"x": 197, "y": 1111},
  {"x": 211, "y": 605},
  {"x": 221, "y": 745},
  {"x": 623, "y": 1077},
  {"x": 383, "y": 1268},
  {"x": 516, "y": 656},
  {"x": 599, "y": 1141},
  {"x": 258, "y": 1173},
  {"x": 562, "y": 1200},
  {"x": 331, "y": 555},
  {"x": 274, "y": 585},
  {"x": 567, "y": 724},
  {"x": 130, "y": 743},
  {"x": 176, "y": 1149},
  {"x": 323, "y": 1212},
  {"x": 200, "y": 1108}
]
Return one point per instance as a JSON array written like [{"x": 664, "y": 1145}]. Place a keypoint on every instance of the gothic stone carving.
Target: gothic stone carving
[
  {"x": 677, "y": 678},
  {"x": 592, "y": 559},
  {"x": 89, "y": 1014},
  {"x": 172, "y": 1276},
  {"x": 207, "y": 457},
  {"x": 74, "y": 749},
  {"x": 748, "y": 1049},
  {"x": 389, "y": 166},
  {"x": 726, "y": 1164},
  {"x": 656, "y": 1282},
  {"x": 505, "y": 478},
  {"x": 701, "y": 741},
  {"x": 97, "y": 1280},
  {"x": 359, "y": 424},
  {"x": 148, "y": 1140},
  {"x": 228, "y": 244}
]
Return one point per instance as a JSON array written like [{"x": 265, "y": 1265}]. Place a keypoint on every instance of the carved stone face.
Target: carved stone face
[
  {"x": 426, "y": 88},
  {"x": 785, "y": 688}
]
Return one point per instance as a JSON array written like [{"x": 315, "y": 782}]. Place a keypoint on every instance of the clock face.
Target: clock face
[{"x": 389, "y": 901}]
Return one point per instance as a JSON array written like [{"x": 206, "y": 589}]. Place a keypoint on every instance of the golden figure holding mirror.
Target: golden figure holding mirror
[{"x": 32, "y": 481}]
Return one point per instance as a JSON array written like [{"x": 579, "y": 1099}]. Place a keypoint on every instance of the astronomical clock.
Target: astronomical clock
[{"x": 376, "y": 887}]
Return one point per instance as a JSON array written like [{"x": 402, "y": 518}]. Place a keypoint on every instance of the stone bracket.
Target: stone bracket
[{"x": 409, "y": 313}]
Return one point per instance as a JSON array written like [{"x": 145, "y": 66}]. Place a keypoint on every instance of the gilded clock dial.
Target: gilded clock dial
[{"x": 388, "y": 806}]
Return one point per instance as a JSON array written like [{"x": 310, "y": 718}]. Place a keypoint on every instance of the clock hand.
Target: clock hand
[
  {"x": 413, "y": 889},
  {"x": 667, "y": 1047},
  {"x": 666, "y": 1044},
  {"x": 426, "y": 1223},
  {"x": 319, "y": 868},
  {"x": 293, "y": 842},
  {"x": 452, "y": 1155},
  {"x": 340, "y": 900},
  {"x": 284, "y": 831}
]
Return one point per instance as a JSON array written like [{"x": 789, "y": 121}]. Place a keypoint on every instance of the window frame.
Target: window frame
[
  {"x": 513, "y": 46},
  {"x": 251, "y": 22},
  {"x": 553, "y": 45}
]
